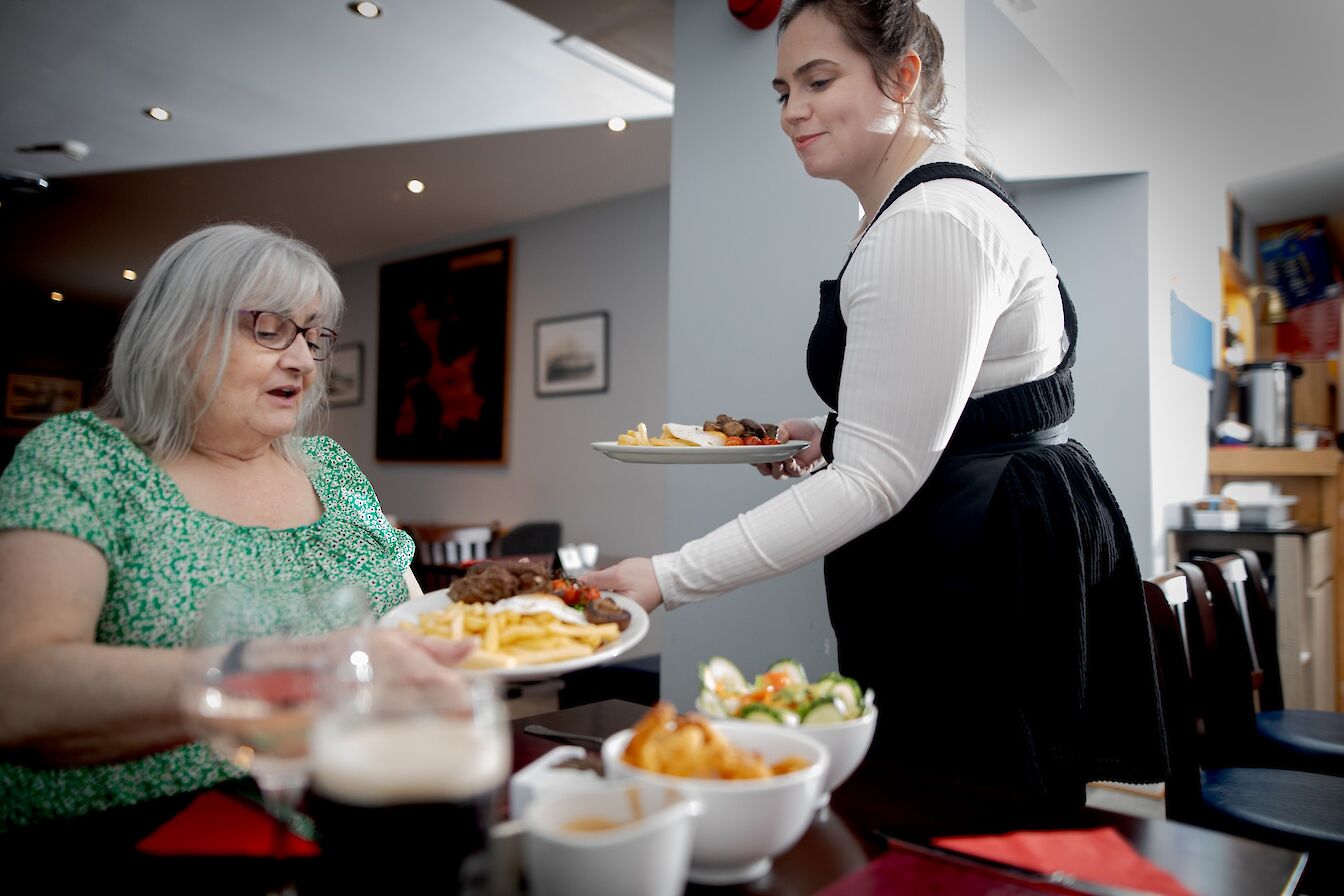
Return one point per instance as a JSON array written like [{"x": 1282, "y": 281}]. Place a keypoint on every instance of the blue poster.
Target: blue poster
[{"x": 1191, "y": 339}]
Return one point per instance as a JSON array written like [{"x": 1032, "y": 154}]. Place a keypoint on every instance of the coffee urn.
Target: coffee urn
[{"x": 1265, "y": 393}]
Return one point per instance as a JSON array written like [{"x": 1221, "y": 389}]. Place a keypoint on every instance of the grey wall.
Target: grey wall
[
  {"x": 606, "y": 257},
  {"x": 751, "y": 235},
  {"x": 1096, "y": 229}
]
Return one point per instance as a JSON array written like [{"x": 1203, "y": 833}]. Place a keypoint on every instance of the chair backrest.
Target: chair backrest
[
  {"x": 1163, "y": 597},
  {"x": 1264, "y": 630},
  {"x": 1220, "y": 664},
  {"x": 537, "y": 538},
  {"x": 443, "y": 545},
  {"x": 1231, "y": 568}
]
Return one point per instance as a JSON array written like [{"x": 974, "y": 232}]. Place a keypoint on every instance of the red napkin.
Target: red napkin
[
  {"x": 1100, "y": 855},
  {"x": 900, "y": 870},
  {"x": 218, "y": 825}
]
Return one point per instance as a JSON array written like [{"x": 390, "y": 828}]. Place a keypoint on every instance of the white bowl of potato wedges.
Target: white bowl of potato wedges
[
  {"x": 832, "y": 710},
  {"x": 758, "y": 786}
]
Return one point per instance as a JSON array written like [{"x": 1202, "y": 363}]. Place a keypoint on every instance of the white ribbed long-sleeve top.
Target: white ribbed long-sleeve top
[{"x": 948, "y": 296}]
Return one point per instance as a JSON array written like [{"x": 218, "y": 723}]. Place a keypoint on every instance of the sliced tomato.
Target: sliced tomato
[
  {"x": 769, "y": 441},
  {"x": 752, "y": 440},
  {"x": 733, "y": 440}
]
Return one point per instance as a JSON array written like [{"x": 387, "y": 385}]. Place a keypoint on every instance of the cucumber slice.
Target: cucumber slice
[
  {"x": 711, "y": 705},
  {"x": 787, "y": 716},
  {"x": 846, "y": 691},
  {"x": 792, "y": 668},
  {"x": 762, "y": 714},
  {"x": 720, "y": 676},
  {"x": 823, "y": 711}
]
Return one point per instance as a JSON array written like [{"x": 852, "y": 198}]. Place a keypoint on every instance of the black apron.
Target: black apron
[{"x": 982, "y": 679}]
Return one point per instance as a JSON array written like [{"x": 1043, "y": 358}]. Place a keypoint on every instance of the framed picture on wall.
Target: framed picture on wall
[
  {"x": 571, "y": 354},
  {"x": 345, "y": 388},
  {"x": 443, "y": 355},
  {"x": 36, "y": 396}
]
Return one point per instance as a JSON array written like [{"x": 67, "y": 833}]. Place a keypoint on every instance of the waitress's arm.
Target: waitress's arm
[{"x": 920, "y": 299}]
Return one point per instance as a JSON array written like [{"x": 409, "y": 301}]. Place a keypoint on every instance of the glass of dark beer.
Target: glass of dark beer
[{"x": 406, "y": 780}]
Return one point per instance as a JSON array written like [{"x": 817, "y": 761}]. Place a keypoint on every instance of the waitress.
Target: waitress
[{"x": 979, "y": 573}]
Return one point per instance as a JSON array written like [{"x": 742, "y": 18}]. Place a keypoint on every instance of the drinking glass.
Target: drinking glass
[
  {"x": 263, "y": 654},
  {"x": 416, "y": 764}
]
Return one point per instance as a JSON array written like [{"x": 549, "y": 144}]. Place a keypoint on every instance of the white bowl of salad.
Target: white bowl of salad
[{"x": 833, "y": 710}]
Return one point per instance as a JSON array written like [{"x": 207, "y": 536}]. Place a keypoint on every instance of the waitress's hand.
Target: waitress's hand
[
  {"x": 802, "y": 462},
  {"x": 633, "y": 578}
]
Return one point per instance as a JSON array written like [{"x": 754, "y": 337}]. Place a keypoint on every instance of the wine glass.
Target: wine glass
[
  {"x": 262, "y": 655},
  {"x": 420, "y": 758}
]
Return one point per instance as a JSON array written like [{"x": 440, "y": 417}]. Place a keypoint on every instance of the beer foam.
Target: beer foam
[{"x": 416, "y": 760}]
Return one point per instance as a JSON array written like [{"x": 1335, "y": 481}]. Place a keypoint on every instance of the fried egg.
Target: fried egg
[{"x": 696, "y": 435}]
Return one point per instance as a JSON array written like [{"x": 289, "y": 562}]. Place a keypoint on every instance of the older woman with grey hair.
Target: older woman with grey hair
[{"x": 199, "y": 468}]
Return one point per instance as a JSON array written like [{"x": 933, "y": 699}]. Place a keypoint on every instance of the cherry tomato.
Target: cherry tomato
[
  {"x": 769, "y": 441},
  {"x": 589, "y": 594},
  {"x": 752, "y": 440},
  {"x": 733, "y": 440}
]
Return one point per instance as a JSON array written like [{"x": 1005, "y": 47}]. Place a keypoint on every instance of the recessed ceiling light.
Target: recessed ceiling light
[
  {"x": 366, "y": 9},
  {"x": 158, "y": 113},
  {"x": 128, "y": 274},
  {"x": 616, "y": 124},
  {"x": 58, "y": 297},
  {"x": 415, "y": 186}
]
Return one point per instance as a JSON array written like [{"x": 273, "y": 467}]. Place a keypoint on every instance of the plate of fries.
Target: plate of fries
[{"x": 529, "y": 637}]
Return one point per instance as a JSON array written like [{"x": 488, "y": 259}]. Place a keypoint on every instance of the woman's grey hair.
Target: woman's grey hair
[
  {"x": 186, "y": 312},
  {"x": 884, "y": 31}
]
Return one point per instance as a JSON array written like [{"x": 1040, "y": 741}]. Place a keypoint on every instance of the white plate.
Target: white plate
[
  {"x": 677, "y": 454},
  {"x": 633, "y": 634}
]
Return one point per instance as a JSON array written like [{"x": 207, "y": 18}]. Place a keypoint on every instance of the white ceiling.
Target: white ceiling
[
  {"x": 297, "y": 113},
  {"x": 303, "y": 115},
  {"x": 1245, "y": 89}
]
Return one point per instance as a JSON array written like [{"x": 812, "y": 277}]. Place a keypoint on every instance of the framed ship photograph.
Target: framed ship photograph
[
  {"x": 571, "y": 354},
  {"x": 345, "y": 388}
]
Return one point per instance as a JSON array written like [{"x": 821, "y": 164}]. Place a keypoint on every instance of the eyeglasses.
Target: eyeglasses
[{"x": 275, "y": 331}]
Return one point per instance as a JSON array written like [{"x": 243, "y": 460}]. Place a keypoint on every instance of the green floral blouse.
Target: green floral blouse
[{"x": 81, "y": 476}]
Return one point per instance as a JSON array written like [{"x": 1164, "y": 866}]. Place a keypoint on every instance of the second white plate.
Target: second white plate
[{"x": 675, "y": 454}]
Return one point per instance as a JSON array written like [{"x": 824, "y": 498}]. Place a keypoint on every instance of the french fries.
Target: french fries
[
  {"x": 640, "y": 436},
  {"x": 511, "y": 637},
  {"x": 687, "y": 746}
]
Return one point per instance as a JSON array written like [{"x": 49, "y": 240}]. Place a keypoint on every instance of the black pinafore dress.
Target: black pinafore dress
[{"x": 999, "y": 616}]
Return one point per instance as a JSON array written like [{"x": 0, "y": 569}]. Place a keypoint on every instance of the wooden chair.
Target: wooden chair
[
  {"x": 1296, "y": 809},
  {"x": 442, "y": 551},
  {"x": 1312, "y": 740}
]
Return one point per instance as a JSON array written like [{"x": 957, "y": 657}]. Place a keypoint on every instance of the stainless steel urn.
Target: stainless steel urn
[{"x": 1265, "y": 393}]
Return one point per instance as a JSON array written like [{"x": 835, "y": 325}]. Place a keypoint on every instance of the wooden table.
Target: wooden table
[
  {"x": 97, "y": 850},
  {"x": 843, "y": 841}
]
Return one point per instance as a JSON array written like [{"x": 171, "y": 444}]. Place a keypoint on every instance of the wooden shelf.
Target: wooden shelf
[{"x": 1274, "y": 462}]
